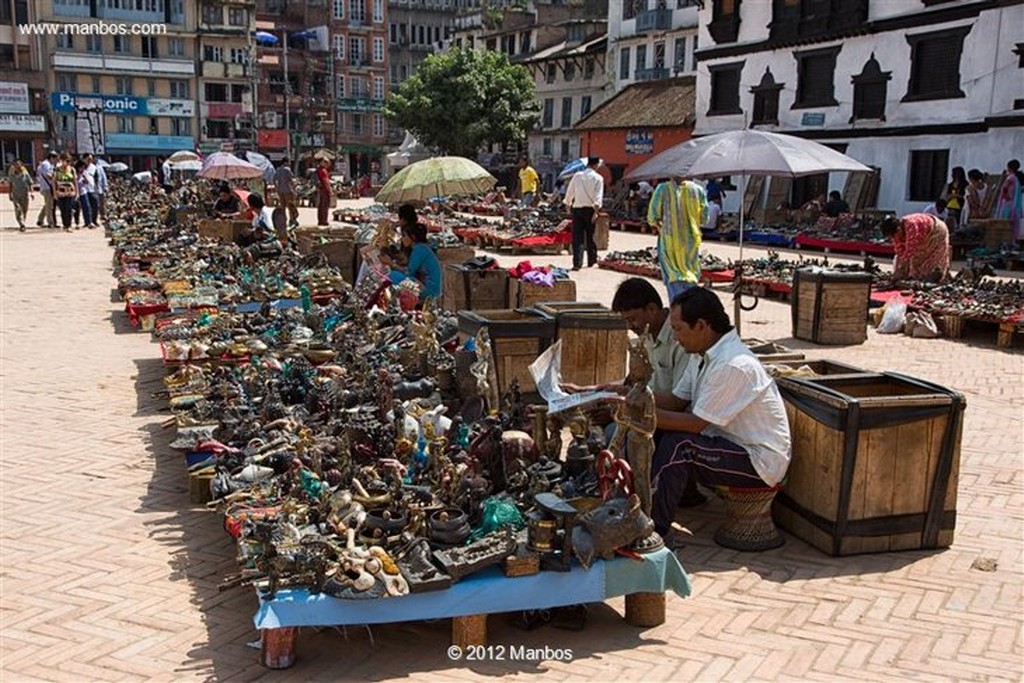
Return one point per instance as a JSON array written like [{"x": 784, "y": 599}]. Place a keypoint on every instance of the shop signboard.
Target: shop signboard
[
  {"x": 223, "y": 110},
  {"x": 125, "y": 105},
  {"x": 22, "y": 123},
  {"x": 272, "y": 139},
  {"x": 359, "y": 104},
  {"x": 161, "y": 107},
  {"x": 13, "y": 97},
  {"x": 639, "y": 142},
  {"x": 145, "y": 144}
]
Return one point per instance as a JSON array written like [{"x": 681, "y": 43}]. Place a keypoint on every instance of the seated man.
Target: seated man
[
  {"x": 728, "y": 425},
  {"x": 835, "y": 205},
  {"x": 227, "y": 204},
  {"x": 261, "y": 239}
]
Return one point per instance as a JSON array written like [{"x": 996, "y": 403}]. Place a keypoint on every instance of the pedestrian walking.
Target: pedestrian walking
[
  {"x": 102, "y": 187},
  {"x": 323, "y": 203},
  {"x": 529, "y": 182},
  {"x": 85, "y": 193},
  {"x": 20, "y": 183},
  {"x": 44, "y": 178},
  {"x": 65, "y": 191},
  {"x": 284, "y": 181},
  {"x": 584, "y": 197},
  {"x": 677, "y": 210}
]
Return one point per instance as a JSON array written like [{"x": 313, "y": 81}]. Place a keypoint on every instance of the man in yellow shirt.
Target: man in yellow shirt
[{"x": 529, "y": 181}]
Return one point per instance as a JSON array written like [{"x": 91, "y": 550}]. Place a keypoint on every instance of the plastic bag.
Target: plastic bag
[{"x": 894, "y": 318}]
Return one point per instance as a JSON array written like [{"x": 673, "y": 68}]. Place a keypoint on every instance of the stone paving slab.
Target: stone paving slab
[{"x": 108, "y": 573}]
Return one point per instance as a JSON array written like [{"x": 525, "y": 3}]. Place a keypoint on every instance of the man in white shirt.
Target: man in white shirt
[
  {"x": 937, "y": 209},
  {"x": 165, "y": 174},
  {"x": 584, "y": 198},
  {"x": 102, "y": 186},
  {"x": 44, "y": 177},
  {"x": 729, "y": 425}
]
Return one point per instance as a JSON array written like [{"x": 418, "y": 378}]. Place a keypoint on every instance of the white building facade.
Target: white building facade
[
  {"x": 911, "y": 87},
  {"x": 650, "y": 40}
]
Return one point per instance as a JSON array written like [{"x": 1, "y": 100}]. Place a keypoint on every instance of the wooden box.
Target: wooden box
[
  {"x": 818, "y": 367},
  {"x": 342, "y": 255},
  {"x": 455, "y": 254},
  {"x": 525, "y": 295},
  {"x": 875, "y": 463},
  {"x": 771, "y": 352},
  {"x": 307, "y": 238},
  {"x": 830, "y": 307},
  {"x": 471, "y": 289},
  {"x": 594, "y": 341},
  {"x": 996, "y": 232},
  {"x": 517, "y": 338},
  {"x": 225, "y": 231}
]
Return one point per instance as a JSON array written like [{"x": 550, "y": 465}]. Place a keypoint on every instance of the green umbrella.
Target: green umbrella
[{"x": 437, "y": 177}]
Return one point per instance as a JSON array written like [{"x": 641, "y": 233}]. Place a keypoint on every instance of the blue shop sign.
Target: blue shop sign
[
  {"x": 639, "y": 142},
  {"x": 126, "y": 105},
  {"x": 133, "y": 142}
]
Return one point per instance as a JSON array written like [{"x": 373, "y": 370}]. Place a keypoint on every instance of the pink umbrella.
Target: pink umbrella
[{"x": 224, "y": 166}]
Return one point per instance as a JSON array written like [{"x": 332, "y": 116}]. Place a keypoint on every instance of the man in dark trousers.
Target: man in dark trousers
[{"x": 584, "y": 198}]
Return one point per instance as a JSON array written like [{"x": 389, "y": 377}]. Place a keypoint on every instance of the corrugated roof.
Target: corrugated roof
[
  {"x": 567, "y": 49},
  {"x": 654, "y": 104}
]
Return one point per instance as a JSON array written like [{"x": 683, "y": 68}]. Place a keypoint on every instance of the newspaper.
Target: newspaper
[{"x": 547, "y": 373}]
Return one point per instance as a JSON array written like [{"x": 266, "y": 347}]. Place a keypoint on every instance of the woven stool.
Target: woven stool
[{"x": 749, "y": 525}]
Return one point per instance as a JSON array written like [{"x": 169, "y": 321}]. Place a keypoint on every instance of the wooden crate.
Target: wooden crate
[
  {"x": 875, "y": 463},
  {"x": 471, "y": 289},
  {"x": 225, "y": 231},
  {"x": 342, "y": 255},
  {"x": 830, "y": 307},
  {"x": 594, "y": 341},
  {"x": 996, "y": 232},
  {"x": 307, "y": 238},
  {"x": 455, "y": 254},
  {"x": 525, "y": 295},
  {"x": 517, "y": 338},
  {"x": 818, "y": 367}
]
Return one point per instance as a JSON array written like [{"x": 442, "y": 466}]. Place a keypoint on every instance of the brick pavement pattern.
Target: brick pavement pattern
[{"x": 108, "y": 572}]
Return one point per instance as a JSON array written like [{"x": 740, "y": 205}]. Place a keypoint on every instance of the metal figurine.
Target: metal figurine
[
  {"x": 484, "y": 371},
  {"x": 636, "y": 421}
]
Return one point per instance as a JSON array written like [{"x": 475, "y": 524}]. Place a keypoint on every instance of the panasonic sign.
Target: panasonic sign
[{"x": 125, "y": 105}]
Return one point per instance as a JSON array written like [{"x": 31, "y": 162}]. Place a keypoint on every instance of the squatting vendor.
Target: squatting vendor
[{"x": 423, "y": 264}]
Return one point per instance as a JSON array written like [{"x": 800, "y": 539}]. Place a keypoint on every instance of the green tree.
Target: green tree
[{"x": 461, "y": 100}]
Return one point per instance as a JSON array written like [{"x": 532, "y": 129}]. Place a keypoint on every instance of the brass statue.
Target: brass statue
[
  {"x": 636, "y": 421},
  {"x": 484, "y": 371}
]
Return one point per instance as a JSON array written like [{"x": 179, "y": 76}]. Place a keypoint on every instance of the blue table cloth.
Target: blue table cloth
[{"x": 486, "y": 592}]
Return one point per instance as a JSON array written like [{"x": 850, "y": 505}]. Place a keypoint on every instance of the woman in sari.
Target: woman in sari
[{"x": 921, "y": 242}]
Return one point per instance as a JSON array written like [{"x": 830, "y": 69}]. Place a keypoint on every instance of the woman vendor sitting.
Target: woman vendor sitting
[
  {"x": 921, "y": 242},
  {"x": 423, "y": 263}
]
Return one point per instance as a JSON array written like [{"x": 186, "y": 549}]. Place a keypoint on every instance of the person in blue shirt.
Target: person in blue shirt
[{"x": 423, "y": 263}]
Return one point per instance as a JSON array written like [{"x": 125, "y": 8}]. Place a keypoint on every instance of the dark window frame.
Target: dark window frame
[
  {"x": 919, "y": 71},
  {"x": 934, "y": 167},
  {"x": 802, "y": 99},
  {"x": 725, "y": 26},
  {"x": 870, "y": 87},
  {"x": 766, "y": 100},
  {"x": 726, "y": 104}
]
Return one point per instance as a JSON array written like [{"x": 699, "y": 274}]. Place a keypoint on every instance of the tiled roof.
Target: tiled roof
[{"x": 663, "y": 103}]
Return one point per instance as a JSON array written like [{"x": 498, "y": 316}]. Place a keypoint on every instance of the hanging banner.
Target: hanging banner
[{"x": 89, "y": 126}]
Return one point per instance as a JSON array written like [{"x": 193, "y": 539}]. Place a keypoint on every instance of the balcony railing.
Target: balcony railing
[
  {"x": 85, "y": 62},
  {"x": 654, "y": 20},
  {"x": 652, "y": 74},
  {"x": 359, "y": 61}
]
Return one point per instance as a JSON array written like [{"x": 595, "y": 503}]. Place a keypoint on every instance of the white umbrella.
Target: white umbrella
[
  {"x": 117, "y": 167},
  {"x": 143, "y": 177},
  {"x": 745, "y": 152},
  {"x": 194, "y": 165},
  {"x": 263, "y": 163},
  {"x": 224, "y": 166},
  {"x": 183, "y": 155}
]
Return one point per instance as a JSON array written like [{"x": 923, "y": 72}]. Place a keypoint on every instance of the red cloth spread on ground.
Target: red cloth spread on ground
[
  {"x": 136, "y": 311},
  {"x": 842, "y": 245},
  {"x": 892, "y": 295},
  {"x": 718, "y": 275}
]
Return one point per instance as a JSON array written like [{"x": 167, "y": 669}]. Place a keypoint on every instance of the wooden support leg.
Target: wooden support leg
[
  {"x": 645, "y": 609},
  {"x": 470, "y": 630},
  {"x": 277, "y": 647},
  {"x": 1005, "y": 338}
]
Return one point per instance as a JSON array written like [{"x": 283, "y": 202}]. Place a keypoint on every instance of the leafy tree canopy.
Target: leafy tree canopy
[{"x": 461, "y": 100}]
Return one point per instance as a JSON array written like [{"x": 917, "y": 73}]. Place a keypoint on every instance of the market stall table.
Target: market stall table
[{"x": 487, "y": 592}]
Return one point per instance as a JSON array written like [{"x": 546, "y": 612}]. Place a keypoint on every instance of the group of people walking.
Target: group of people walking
[{"x": 74, "y": 188}]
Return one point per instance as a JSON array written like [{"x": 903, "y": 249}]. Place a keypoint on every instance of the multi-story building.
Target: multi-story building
[
  {"x": 128, "y": 92},
  {"x": 912, "y": 88},
  {"x": 650, "y": 40},
  {"x": 295, "y": 102},
  {"x": 416, "y": 28},
  {"x": 225, "y": 50},
  {"x": 570, "y": 79},
  {"x": 359, "y": 32},
  {"x": 23, "y": 121}
]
